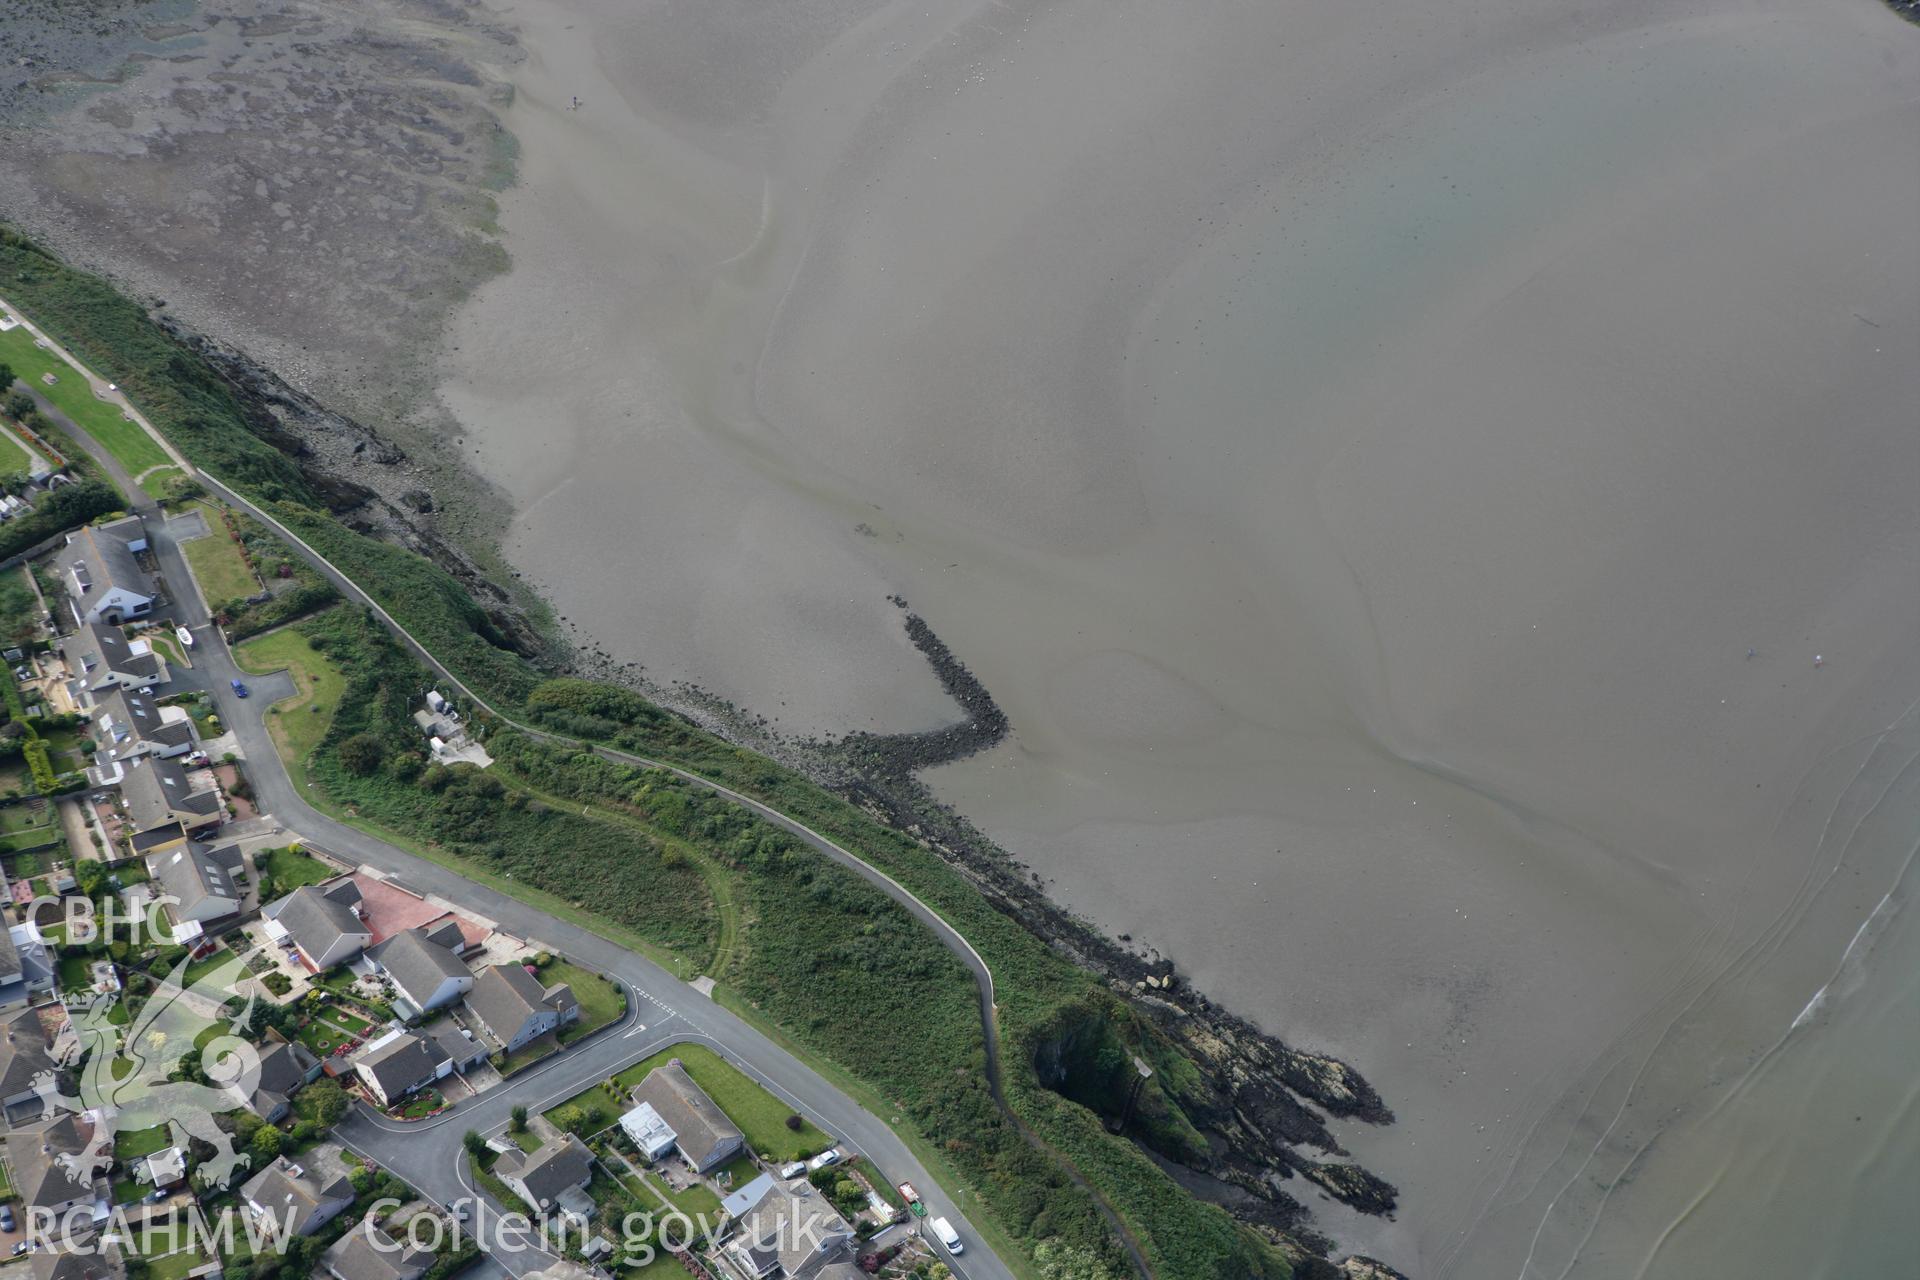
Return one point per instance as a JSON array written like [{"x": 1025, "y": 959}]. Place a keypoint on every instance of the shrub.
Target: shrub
[{"x": 361, "y": 754}]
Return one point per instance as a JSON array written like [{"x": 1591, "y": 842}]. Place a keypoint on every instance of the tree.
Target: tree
[
  {"x": 794, "y": 1123},
  {"x": 519, "y": 1119},
  {"x": 361, "y": 754},
  {"x": 19, "y": 403},
  {"x": 6, "y": 376},
  {"x": 91, "y": 876},
  {"x": 326, "y": 1102},
  {"x": 266, "y": 1144},
  {"x": 475, "y": 1144}
]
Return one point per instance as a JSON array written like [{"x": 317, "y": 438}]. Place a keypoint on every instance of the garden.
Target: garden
[
  {"x": 218, "y": 560},
  {"x": 285, "y": 869},
  {"x": 331, "y": 1025},
  {"x": 764, "y": 1120}
]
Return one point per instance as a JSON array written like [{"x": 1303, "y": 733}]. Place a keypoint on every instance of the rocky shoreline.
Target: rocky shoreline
[{"x": 1266, "y": 1100}]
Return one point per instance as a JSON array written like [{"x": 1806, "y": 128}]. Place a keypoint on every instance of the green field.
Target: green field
[
  {"x": 216, "y": 561},
  {"x": 300, "y": 722},
  {"x": 71, "y": 395},
  {"x": 758, "y": 1114}
]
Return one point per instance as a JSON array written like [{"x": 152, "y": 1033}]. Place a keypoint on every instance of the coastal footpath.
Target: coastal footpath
[{"x": 1050, "y": 1014}]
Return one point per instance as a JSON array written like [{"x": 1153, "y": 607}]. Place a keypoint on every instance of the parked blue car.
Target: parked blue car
[{"x": 239, "y": 690}]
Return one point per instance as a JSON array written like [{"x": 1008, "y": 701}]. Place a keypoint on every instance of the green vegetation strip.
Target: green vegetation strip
[{"x": 839, "y": 972}]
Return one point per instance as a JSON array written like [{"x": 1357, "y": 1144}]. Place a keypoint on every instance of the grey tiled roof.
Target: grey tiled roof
[
  {"x": 402, "y": 1062},
  {"x": 126, "y": 721},
  {"x": 700, "y": 1128},
  {"x": 368, "y": 1253},
  {"x": 504, "y": 996},
  {"x": 284, "y": 1065},
  {"x": 418, "y": 965},
  {"x": 320, "y": 1180},
  {"x": 34, "y": 1156},
  {"x": 550, "y": 1170},
  {"x": 105, "y": 559},
  {"x": 98, "y": 648},
  {"x": 98, "y": 1262},
  {"x": 194, "y": 874},
  {"x": 156, "y": 791},
  {"x": 23, "y": 1052},
  {"x": 317, "y": 917}
]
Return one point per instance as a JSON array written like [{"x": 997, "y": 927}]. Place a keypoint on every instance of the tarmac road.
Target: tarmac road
[{"x": 663, "y": 1009}]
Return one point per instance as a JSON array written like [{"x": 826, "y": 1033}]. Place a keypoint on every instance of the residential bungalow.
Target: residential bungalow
[
  {"x": 286, "y": 1067},
  {"x": 299, "y": 1198},
  {"x": 705, "y": 1137},
  {"x": 100, "y": 1260},
  {"x": 368, "y": 1253},
  {"x": 201, "y": 879},
  {"x": 99, "y": 657},
  {"x": 104, "y": 580},
  {"x": 425, "y": 967},
  {"x": 399, "y": 1064},
  {"x": 553, "y": 1179},
  {"x": 125, "y": 724},
  {"x": 785, "y": 1231},
  {"x": 26, "y": 1051},
  {"x": 161, "y": 801},
  {"x": 321, "y": 922},
  {"x": 514, "y": 1009},
  {"x": 42, "y": 1180}
]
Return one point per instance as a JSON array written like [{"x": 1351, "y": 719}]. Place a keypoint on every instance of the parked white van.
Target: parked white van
[{"x": 948, "y": 1237}]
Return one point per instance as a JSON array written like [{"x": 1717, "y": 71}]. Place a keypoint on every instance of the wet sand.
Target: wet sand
[{"x": 1358, "y": 450}]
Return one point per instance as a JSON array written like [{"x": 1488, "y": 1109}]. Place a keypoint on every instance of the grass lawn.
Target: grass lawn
[
  {"x": 290, "y": 869},
  {"x": 737, "y": 1172},
  {"x": 13, "y": 454},
  {"x": 169, "y": 647},
  {"x": 18, "y": 817},
  {"x": 140, "y": 1142},
  {"x": 600, "y": 1001},
  {"x": 158, "y": 1245},
  {"x": 297, "y": 723},
  {"x": 200, "y": 968},
  {"x": 216, "y": 562},
  {"x": 759, "y": 1115},
  {"x": 321, "y": 1038},
  {"x": 696, "y": 1201},
  {"x": 528, "y": 1054},
  {"x": 348, "y": 1019},
  {"x": 71, "y": 395},
  {"x": 75, "y": 974}
]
